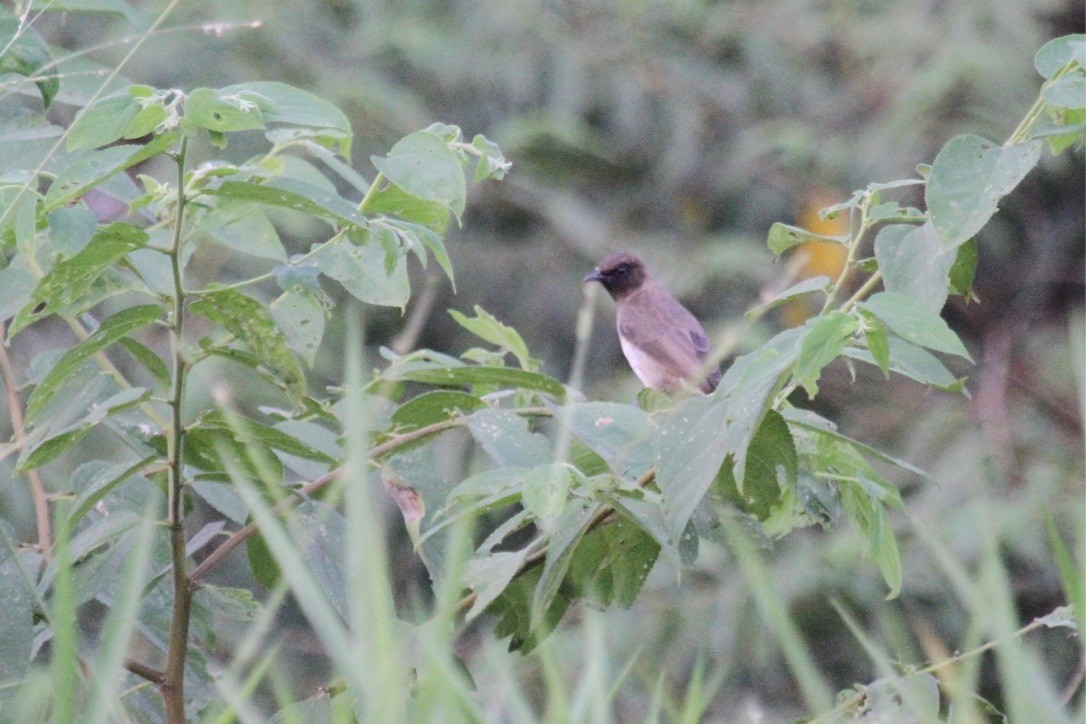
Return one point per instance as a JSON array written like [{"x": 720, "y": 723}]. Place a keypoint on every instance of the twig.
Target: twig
[
  {"x": 37, "y": 488},
  {"x": 142, "y": 670},
  {"x": 377, "y": 451}
]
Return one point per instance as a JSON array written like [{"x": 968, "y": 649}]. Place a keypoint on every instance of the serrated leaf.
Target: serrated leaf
[
  {"x": 485, "y": 326},
  {"x": 611, "y": 563},
  {"x": 487, "y": 577},
  {"x": 569, "y": 528},
  {"x": 702, "y": 431},
  {"x": 513, "y": 607},
  {"x": 913, "y": 263},
  {"x": 771, "y": 469},
  {"x": 913, "y": 322},
  {"x": 423, "y": 165},
  {"x": 968, "y": 178},
  {"x": 253, "y": 325},
  {"x": 823, "y": 339},
  {"x": 70, "y": 279},
  {"x": 111, "y": 330},
  {"x": 783, "y": 237}
]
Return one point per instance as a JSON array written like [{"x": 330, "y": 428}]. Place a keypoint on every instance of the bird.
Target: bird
[{"x": 664, "y": 343}]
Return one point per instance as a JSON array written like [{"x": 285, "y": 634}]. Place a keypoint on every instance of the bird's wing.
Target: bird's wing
[{"x": 667, "y": 332}]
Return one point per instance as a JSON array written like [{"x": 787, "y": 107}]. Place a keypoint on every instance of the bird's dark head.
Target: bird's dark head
[{"x": 620, "y": 274}]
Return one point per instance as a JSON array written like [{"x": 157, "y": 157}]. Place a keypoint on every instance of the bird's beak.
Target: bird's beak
[{"x": 595, "y": 276}]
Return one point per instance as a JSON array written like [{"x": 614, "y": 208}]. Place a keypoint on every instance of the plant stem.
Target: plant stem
[
  {"x": 372, "y": 191},
  {"x": 862, "y": 291},
  {"x": 173, "y": 679},
  {"x": 37, "y": 488},
  {"x": 377, "y": 451},
  {"x": 853, "y": 246}
]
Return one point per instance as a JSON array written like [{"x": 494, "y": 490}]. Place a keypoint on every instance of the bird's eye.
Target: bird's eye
[{"x": 622, "y": 270}]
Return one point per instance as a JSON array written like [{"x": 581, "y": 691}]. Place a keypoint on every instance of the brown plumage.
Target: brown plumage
[{"x": 663, "y": 342}]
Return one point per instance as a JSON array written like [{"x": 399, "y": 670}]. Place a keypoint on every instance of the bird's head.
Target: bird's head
[{"x": 620, "y": 274}]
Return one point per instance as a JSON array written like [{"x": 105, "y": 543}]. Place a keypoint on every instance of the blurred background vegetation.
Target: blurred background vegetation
[{"x": 680, "y": 131}]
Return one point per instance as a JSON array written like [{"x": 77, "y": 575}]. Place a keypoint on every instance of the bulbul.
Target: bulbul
[{"x": 663, "y": 342}]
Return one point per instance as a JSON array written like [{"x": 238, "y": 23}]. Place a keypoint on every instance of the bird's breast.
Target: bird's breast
[{"x": 648, "y": 369}]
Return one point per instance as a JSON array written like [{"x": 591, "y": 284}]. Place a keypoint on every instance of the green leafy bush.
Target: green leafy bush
[{"x": 582, "y": 514}]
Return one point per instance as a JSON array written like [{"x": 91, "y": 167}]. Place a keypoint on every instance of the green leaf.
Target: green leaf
[
  {"x": 695, "y": 439},
  {"x": 513, "y": 608},
  {"x": 361, "y": 270},
  {"x": 111, "y": 330},
  {"x": 281, "y": 103},
  {"x": 217, "y": 450},
  {"x": 622, "y": 435},
  {"x": 502, "y": 377},
  {"x": 1057, "y": 53},
  {"x": 96, "y": 168},
  {"x": 102, "y": 123},
  {"x": 486, "y": 327},
  {"x": 507, "y": 440},
  {"x": 26, "y": 54},
  {"x": 771, "y": 469},
  {"x": 824, "y": 338},
  {"x": 149, "y": 359},
  {"x": 221, "y": 112},
  {"x": 544, "y": 490},
  {"x": 301, "y": 317},
  {"x": 492, "y": 163},
  {"x": 252, "y": 324},
  {"x": 487, "y": 577},
  {"x": 248, "y": 431},
  {"x": 913, "y": 263},
  {"x": 290, "y": 193},
  {"x": 913, "y": 362},
  {"x": 94, "y": 480},
  {"x": 1067, "y": 92},
  {"x": 423, "y": 165},
  {"x": 70, "y": 279},
  {"x": 964, "y": 268},
  {"x": 569, "y": 529},
  {"x": 71, "y": 228},
  {"x": 417, "y": 237},
  {"x": 877, "y": 344},
  {"x": 17, "y": 625},
  {"x": 431, "y": 407},
  {"x": 47, "y": 442},
  {"x": 968, "y": 178},
  {"x": 17, "y": 283},
  {"x": 783, "y": 237},
  {"x": 242, "y": 227},
  {"x": 391, "y": 199},
  {"x": 868, "y": 514},
  {"x": 818, "y": 424},
  {"x": 814, "y": 284},
  {"x": 611, "y": 563},
  {"x": 913, "y": 322}
]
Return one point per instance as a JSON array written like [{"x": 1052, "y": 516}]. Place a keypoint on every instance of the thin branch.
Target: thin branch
[
  {"x": 37, "y": 488},
  {"x": 146, "y": 672},
  {"x": 377, "y": 451}
]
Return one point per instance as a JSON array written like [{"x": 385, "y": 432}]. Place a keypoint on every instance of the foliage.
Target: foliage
[{"x": 582, "y": 515}]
